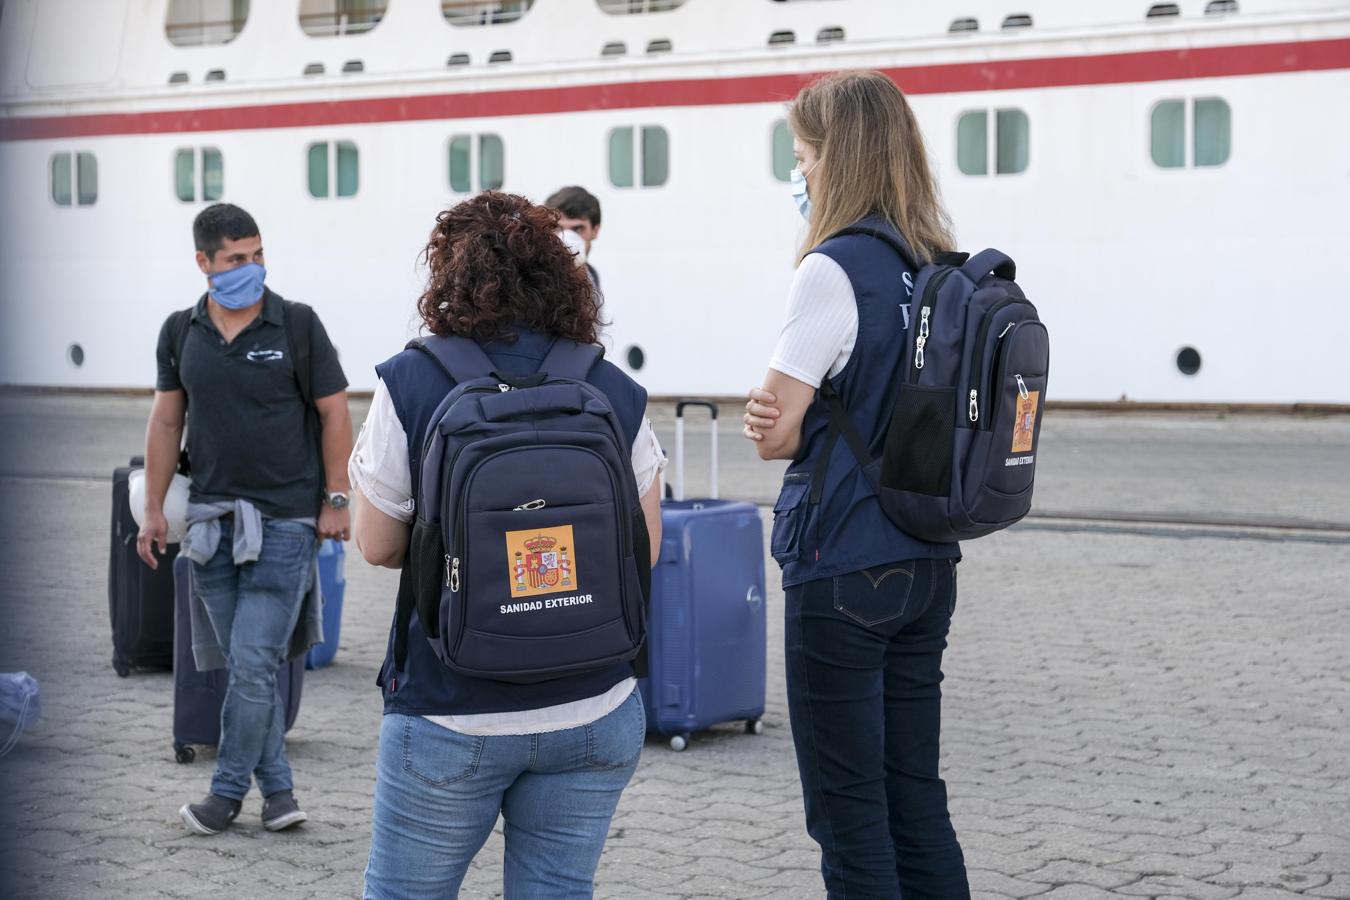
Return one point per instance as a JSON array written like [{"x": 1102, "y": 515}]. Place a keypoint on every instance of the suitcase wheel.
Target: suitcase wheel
[
  {"x": 679, "y": 742},
  {"x": 183, "y": 753},
  {"x": 120, "y": 667},
  {"x": 754, "y": 726}
]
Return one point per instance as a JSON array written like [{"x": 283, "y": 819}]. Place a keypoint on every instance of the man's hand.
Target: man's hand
[
  {"x": 761, "y": 414},
  {"x": 334, "y": 523},
  {"x": 154, "y": 531}
]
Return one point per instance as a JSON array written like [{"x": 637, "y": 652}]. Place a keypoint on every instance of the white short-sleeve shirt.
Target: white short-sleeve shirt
[
  {"x": 821, "y": 327},
  {"x": 379, "y": 470}
]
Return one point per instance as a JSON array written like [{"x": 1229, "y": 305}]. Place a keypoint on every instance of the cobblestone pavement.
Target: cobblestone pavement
[{"x": 1133, "y": 715}]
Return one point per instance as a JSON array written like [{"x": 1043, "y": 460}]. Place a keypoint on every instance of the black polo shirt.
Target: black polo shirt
[{"x": 249, "y": 434}]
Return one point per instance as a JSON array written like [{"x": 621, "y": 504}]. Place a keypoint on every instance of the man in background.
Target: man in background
[{"x": 581, "y": 216}]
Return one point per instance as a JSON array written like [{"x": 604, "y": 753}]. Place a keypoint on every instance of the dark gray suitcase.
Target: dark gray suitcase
[
  {"x": 199, "y": 696},
  {"x": 140, "y": 599}
]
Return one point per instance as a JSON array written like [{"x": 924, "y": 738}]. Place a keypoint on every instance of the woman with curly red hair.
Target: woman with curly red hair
[{"x": 550, "y": 757}]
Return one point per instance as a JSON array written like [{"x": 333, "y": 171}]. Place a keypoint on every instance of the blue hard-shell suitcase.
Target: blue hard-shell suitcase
[
  {"x": 706, "y": 629},
  {"x": 199, "y": 696},
  {"x": 332, "y": 586}
]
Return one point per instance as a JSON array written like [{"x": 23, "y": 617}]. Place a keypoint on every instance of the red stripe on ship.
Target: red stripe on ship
[{"x": 1003, "y": 75}]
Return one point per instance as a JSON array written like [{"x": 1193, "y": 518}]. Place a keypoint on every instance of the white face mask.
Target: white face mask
[
  {"x": 576, "y": 243},
  {"x": 799, "y": 192}
]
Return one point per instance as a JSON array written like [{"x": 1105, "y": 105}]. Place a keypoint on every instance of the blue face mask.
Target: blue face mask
[
  {"x": 803, "y": 200},
  {"x": 238, "y": 288}
]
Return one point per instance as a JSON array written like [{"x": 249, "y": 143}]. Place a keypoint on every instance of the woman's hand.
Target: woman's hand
[{"x": 761, "y": 413}]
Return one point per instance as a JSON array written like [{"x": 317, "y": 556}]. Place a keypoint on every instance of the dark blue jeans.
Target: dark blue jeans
[{"x": 864, "y": 674}]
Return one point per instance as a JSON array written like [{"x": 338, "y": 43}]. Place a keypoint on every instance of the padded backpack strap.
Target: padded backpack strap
[
  {"x": 461, "y": 358},
  {"x": 986, "y": 261},
  {"x": 568, "y": 359},
  {"x": 894, "y": 240}
]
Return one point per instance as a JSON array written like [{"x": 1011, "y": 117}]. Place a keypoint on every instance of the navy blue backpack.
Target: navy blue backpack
[
  {"x": 529, "y": 555},
  {"x": 959, "y": 459}
]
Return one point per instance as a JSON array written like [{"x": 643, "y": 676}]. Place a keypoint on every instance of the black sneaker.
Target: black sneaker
[
  {"x": 280, "y": 811},
  {"x": 212, "y": 816}
]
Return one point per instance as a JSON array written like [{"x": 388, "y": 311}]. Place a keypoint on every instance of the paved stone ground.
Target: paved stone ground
[{"x": 1138, "y": 715}]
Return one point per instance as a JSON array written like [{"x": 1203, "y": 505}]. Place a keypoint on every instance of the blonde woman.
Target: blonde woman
[{"x": 868, "y": 606}]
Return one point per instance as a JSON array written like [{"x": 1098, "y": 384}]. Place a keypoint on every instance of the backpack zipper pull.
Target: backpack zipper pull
[
  {"x": 533, "y": 504},
  {"x": 974, "y": 406},
  {"x": 922, "y": 338},
  {"x": 447, "y": 570},
  {"x": 1022, "y": 388},
  {"x": 452, "y": 581}
]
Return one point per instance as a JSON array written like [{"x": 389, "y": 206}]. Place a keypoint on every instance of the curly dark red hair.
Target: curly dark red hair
[{"x": 496, "y": 263}]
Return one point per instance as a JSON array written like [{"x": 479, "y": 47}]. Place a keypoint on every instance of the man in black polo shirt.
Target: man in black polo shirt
[{"x": 261, "y": 378}]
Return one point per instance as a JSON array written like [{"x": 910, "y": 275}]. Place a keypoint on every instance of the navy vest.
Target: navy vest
[
  {"x": 426, "y": 686},
  {"x": 847, "y": 531}
]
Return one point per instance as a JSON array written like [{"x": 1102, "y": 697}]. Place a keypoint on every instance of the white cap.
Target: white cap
[{"x": 175, "y": 503}]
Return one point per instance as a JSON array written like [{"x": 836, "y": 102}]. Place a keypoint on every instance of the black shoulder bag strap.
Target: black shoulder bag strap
[
  {"x": 180, "y": 324},
  {"x": 299, "y": 341},
  {"x": 840, "y": 423}
]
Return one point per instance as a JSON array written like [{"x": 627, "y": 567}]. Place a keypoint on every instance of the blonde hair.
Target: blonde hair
[{"x": 871, "y": 161}]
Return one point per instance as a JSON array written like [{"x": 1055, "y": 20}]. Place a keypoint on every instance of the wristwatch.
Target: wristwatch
[{"x": 336, "y": 499}]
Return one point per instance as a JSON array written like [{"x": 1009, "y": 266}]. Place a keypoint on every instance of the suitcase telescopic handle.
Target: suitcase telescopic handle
[{"x": 679, "y": 445}]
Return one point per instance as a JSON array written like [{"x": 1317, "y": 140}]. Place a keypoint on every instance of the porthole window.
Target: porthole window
[
  {"x": 334, "y": 169},
  {"x": 614, "y": 48},
  {"x": 74, "y": 179},
  {"x": 189, "y": 162},
  {"x": 964, "y": 24},
  {"x": 1188, "y": 361},
  {"x": 1220, "y": 7},
  {"x": 660, "y": 45},
  {"x": 458, "y": 59},
  {"x": 1197, "y": 132},
  {"x": 499, "y": 56},
  {"x": 478, "y": 12},
  {"x": 491, "y": 162},
  {"x": 1163, "y": 11},
  {"x": 783, "y": 161},
  {"x": 636, "y": 358},
  {"x": 333, "y": 18},
  {"x": 830, "y": 35},
  {"x": 648, "y": 165},
  {"x": 75, "y": 353},
  {"x": 196, "y": 23},
  {"x": 634, "y": 7},
  {"x": 1008, "y": 143},
  {"x": 782, "y": 38},
  {"x": 178, "y": 78},
  {"x": 1017, "y": 20}
]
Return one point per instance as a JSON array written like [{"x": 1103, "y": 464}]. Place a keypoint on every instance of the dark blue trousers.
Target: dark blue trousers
[{"x": 864, "y": 674}]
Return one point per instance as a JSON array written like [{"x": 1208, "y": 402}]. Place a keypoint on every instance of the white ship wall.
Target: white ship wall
[{"x": 1126, "y": 261}]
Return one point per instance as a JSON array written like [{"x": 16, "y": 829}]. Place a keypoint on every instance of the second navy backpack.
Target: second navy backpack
[
  {"x": 959, "y": 460},
  {"x": 528, "y": 552}
]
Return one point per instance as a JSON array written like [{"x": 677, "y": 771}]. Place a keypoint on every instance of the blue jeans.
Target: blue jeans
[
  {"x": 253, "y": 609},
  {"x": 864, "y": 669},
  {"x": 438, "y": 794}
]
